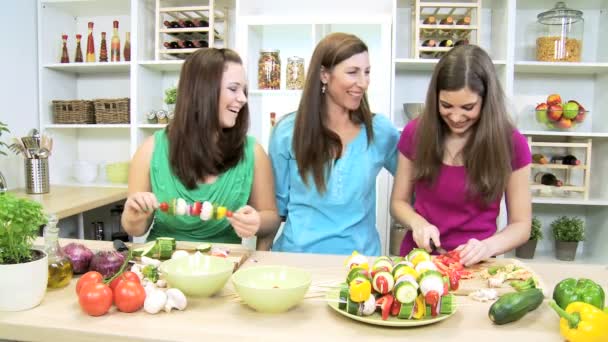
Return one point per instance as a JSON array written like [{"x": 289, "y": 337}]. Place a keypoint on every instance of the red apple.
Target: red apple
[
  {"x": 555, "y": 112},
  {"x": 541, "y": 113},
  {"x": 554, "y": 99},
  {"x": 580, "y": 117},
  {"x": 564, "y": 123}
]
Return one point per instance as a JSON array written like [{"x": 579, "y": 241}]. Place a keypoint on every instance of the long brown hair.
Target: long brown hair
[
  {"x": 488, "y": 150},
  {"x": 199, "y": 146},
  {"x": 314, "y": 144}
]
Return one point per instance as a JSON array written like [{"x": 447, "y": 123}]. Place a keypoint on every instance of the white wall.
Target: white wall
[{"x": 18, "y": 80}]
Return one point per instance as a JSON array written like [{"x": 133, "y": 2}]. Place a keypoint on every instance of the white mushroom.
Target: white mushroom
[
  {"x": 149, "y": 261},
  {"x": 161, "y": 283},
  {"x": 155, "y": 301},
  {"x": 175, "y": 300},
  {"x": 136, "y": 268},
  {"x": 149, "y": 288}
]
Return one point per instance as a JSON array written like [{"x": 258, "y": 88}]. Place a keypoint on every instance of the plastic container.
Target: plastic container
[
  {"x": 295, "y": 73},
  {"x": 269, "y": 70},
  {"x": 117, "y": 172},
  {"x": 560, "y": 36}
]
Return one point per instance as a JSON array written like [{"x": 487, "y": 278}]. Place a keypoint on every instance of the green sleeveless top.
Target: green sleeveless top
[{"x": 231, "y": 190}]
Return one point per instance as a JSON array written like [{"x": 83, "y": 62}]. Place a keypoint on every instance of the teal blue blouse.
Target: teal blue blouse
[{"x": 342, "y": 219}]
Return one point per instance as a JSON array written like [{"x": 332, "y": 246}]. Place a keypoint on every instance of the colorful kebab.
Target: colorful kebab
[{"x": 205, "y": 210}]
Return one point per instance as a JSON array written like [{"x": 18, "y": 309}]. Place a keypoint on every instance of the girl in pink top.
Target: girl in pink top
[{"x": 458, "y": 159}]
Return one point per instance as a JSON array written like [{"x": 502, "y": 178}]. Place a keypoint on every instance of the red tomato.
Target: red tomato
[
  {"x": 196, "y": 208},
  {"x": 164, "y": 206},
  {"x": 129, "y": 296},
  {"x": 95, "y": 298},
  {"x": 128, "y": 275},
  {"x": 91, "y": 277},
  {"x": 229, "y": 213}
]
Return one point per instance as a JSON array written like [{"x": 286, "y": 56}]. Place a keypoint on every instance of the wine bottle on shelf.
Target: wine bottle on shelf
[
  {"x": 466, "y": 20},
  {"x": 429, "y": 43},
  {"x": 200, "y": 22},
  {"x": 565, "y": 160},
  {"x": 171, "y": 45},
  {"x": 127, "y": 51},
  {"x": 201, "y": 43},
  {"x": 461, "y": 42},
  {"x": 186, "y": 23},
  {"x": 171, "y": 24},
  {"x": 103, "y": 48},
  {"x": 65, "y": 58},
  {"x": 539, "y": 158},
  {"x": 547, "y": 178},
  {"x": 90, "y": 44},
  {"x": 447, "y": 21},
  {"x": 115, "y": 43},
  {"x": 446, "y": 43},
  {"x": 78, "y": 54},
  {"x": 185, "y": 44},
  {"x": 430, "y": 20}
]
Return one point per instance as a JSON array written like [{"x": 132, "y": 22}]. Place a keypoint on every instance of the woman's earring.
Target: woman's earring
[{"x": 323, "y": 87}]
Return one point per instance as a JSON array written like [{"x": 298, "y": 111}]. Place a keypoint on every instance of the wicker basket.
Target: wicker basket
[
  {"x": 73, "y": 112},
  {"x": 112, "y": 111}
]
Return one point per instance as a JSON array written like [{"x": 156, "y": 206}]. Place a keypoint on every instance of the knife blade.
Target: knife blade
[{"x": 434, "y": 249}]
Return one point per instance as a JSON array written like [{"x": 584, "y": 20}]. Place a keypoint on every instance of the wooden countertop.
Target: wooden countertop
[
  {"x": 66, "y": 201},
  {"x": 59, "y": 317}
]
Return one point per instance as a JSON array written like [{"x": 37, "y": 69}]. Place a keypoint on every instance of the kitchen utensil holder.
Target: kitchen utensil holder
[{"x": 37, "y": 176}]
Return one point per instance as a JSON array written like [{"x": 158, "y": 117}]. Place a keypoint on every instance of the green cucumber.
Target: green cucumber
[
  {"x": 353, "y": 308},
  {"x": 343, "y": 298},
  {"x": 203, "y": 247},
  {"x": 356, "y": 272},
  {"x": 406, "y": 310},
  {"x": 151, "y": 250},
  {"x": 406, "y": 292},
  {"x": 513, "y": 306},
  {"x": 141, "y": 251},
  {"x": 448, "y": 304},
  {"x": 166, "y": 246}
]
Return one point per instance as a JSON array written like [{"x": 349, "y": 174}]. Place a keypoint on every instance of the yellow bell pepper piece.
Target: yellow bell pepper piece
[
  {"x": 582, "y": 322},
  {"x": 420, "y": 307},
  {"x": 220, "y": 213},
  {"x": 360, "y": 290}
]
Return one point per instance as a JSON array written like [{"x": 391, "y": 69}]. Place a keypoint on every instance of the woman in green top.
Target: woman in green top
[{"x": 204, "y": 154}]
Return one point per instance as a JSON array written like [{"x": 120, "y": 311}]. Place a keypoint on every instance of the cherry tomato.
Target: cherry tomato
[
  {"x": 129, "y": 296},
  {"x": 91, "y": 277},
  {"x": 163, "y": 206},
  {"x": 196, "y": 208},
  {"x": 95, "y": 298},
  {"x": 128, "y": 275},
  {"x": 228, "y": 213}
]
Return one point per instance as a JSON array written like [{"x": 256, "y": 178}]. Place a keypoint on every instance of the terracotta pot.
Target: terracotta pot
[
  {"x": 526, "y": 251},
  {"x": 565, "y": 250}
]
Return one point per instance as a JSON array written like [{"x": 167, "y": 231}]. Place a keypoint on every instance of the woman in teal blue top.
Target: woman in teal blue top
[{"x": 326, "y": 156}]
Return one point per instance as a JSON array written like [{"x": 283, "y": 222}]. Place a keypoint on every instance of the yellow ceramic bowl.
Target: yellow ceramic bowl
[
  {"x": 197, "y": 275},
  {"x": 271, "y": 289}
]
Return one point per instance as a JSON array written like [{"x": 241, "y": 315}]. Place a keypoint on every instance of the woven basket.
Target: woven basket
[
  {"x": 112, "y": 111},
  {"x": 73, "y": 112}
]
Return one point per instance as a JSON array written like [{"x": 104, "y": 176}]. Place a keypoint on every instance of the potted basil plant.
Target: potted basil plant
[
  {"x": 527, "y": 250},
  {"x": 568, "y": 232},
  {"x": 23, "y": 269},
  {"x": 170, "y": 98}
]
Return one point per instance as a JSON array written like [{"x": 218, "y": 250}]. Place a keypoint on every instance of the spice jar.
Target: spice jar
[
  {"x": 269, "y": 70},
  {"x": 560, "y": 35},
  {"x": 295, "y": 73},
  {"x": 161, "y": 116},
  {"x": 151, "y": 117}
]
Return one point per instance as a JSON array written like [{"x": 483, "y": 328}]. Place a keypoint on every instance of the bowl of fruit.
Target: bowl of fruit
[{"x": 559, "y": 115}]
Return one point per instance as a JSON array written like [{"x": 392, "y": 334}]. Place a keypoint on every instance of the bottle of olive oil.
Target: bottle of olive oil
[{"x": 60, "y": 266}]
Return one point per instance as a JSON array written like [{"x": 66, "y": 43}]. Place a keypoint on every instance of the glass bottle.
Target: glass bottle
[
  {"x": 269, "y": 70},
  {"x": 78, "y": 54},
  {"x": 65, "y": 58},
  {"x": 60, "y": 266},
  {"x": 103, "y": 48},
  {"x": 127, "y": 51},
  {"x": 90, "y": 44},
  {"x": 295, "y": 73},
  {"x": 115, "y": 44},
  {"x": 560, "y": 36}
]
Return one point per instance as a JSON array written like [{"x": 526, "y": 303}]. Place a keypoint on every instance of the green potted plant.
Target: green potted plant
[
  {"x": 526, "y": 251},
  {"x": 567, "y": 231},
  {"x": 170, "y": 97},
  {"x": 23, "y": 269},
  {"x": 3, "y": 146}
]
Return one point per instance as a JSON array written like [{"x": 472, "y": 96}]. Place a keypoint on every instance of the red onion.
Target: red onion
[
  {"x": 79, "y": 255},
  {"x": 107, "y": 263}
]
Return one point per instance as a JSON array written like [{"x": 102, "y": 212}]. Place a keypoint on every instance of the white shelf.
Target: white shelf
[
  {"x": 561, "y": 68},
  {"x": 151, "y": 126},
  {"x": 175, "y": 65},
  {"x": 93, "y": 126},
  {"x": 572, "y": 200},
  {"x": 566, "y": 134},
  {"x": 423, "y": 64},
  {"x": 80, "y": 8},
  {"x": 558, "y": 166},
  {"x": 91, "y": 68}
]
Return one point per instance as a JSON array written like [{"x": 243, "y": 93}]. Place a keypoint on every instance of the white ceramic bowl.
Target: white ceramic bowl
[{"x": 84, "y": 172}]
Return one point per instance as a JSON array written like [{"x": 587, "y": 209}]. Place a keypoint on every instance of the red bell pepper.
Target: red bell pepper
[{"x": 385, "y": 303}]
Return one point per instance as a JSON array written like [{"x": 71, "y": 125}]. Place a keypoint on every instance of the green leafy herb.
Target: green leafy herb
[
  {"x": 536, "y": 233},
  {"x": 20, "y": 219},
  {"x": 568, "y": 229},
  {"x": 171, "y": 95},
  {"x": 3, "y": 145}
]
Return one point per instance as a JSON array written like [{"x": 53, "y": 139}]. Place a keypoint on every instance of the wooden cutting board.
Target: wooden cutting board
[
  {"x": 237, "y": 253},
  {"x": 468, "y": 286}
]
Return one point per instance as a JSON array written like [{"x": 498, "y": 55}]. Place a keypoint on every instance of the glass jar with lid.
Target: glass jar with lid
[
  {"x": 295, "y": 73},
  {"x": 269, "y": 70},
  {"x": 560, "y": 37}
]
